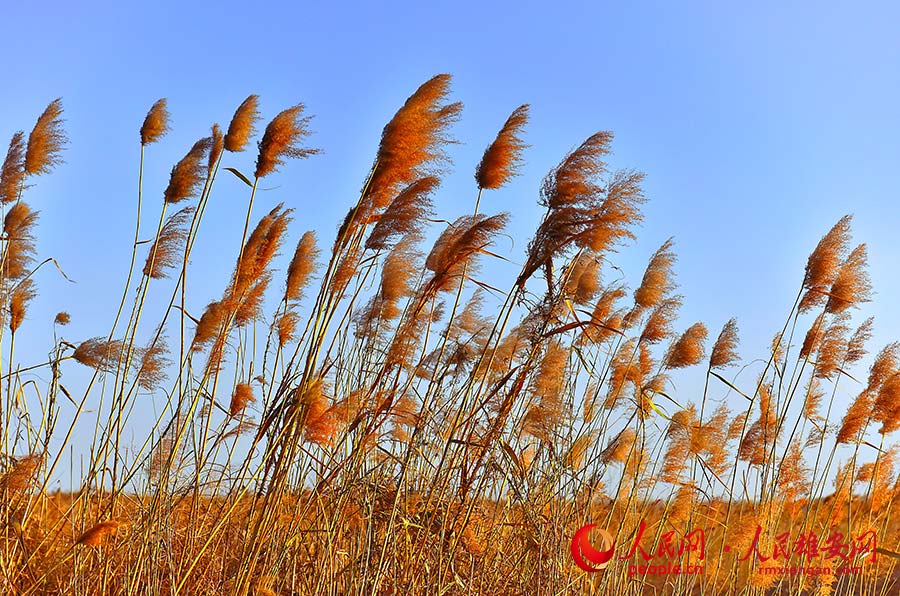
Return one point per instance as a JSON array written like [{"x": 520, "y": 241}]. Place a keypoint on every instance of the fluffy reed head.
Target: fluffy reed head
[
  {"x": 21, "y": 474},
  {"x": 18, "y": 229},
  {"x": 99, "y": 533},
  {"x": 12, "y": 172},
  {"x": 658, "y": 280},
  {"x": 851, "y": 285},
  {"x": 823, "y": 264},
  {"x": 240, "y": 399},
  {"x": 688, "y": 349},
  {"x": 405, "y": 216},
  {"x": 455, "y": 247},
  {"x": 99, "y": 353},
  {"x": 412, "y": 142},
  {"x": 216, "y": 147},
  {"x": 153, "y": 363},
  {"x": 282, "y": 141},
  {"x": 243, "y": 124},
  {"x": 167, "y": 250},
  {"x": 302, "y": 266},
  {"x": 575, "y": 179},
  {"x": 503, "y": 157},
  {"x": 189, "y": 173},
  {"x": 62, "y": 318},
  {"x": 156, "y": 123},
  {"x": 19, "y": 300},
  {"x": 619, "y": 448},
  {"x": 46, "y": 141},
  {"x": 724, "y": 351}
]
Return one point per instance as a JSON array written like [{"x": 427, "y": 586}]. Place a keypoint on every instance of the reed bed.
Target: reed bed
[{"x": 366, "y": 412}]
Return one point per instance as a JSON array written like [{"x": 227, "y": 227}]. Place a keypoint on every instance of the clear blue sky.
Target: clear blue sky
[{"x": 758, "y": 124}]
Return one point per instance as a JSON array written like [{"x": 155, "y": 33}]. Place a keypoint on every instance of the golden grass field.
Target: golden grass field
[{"x": 373, "y": 415}]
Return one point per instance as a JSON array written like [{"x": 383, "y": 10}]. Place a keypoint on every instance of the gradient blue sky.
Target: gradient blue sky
[{"x": 758, "y": 124}]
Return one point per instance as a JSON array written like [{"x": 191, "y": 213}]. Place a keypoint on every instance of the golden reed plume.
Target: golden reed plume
[
  {"x": 46, "y": 141},
  {"x": 156, "y": 123},
  {"x": 301, "y": 267},
  {"x": 412, "y": 142},
  {"x": 189, "y": 173},
  {"x": 18, "y": 229},
  {"x": 282, "y": 141},
  {"x": 12, "y": 173},
  {"x": 167, "y": 249},
  {"x": 21, "y": 296},
  {"x": 243, "y": 125},
  {"x": 724, "y": 351},
  {"x": 240, "y": 399},
  {"x": 503, "y": 157}
]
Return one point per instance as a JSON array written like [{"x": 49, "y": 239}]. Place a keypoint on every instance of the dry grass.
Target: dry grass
[{"x": 387, "y": 421}]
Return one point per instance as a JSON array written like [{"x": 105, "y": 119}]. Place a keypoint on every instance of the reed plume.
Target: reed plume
[
  {"x": 282, "y": 139},
  {"x": 46, "y": 141},
  {"x": 21, "y": 474},
  {"x": 21, "y": 297},
  {"x": 688, "y": 350},
  {"x": 824, "y": 263},
  {"x": 99, "y": 533},
  {"x": 18, "y": 229},
  {"x": 12, "y": 173},
  {"x": 62, "y": 318},
  {"x": 724, "y": 351},
  {"x": 243, "y": 125},
  {"x": 851, "y": 285},
  {"x": 99, "y": 353},
  {"x": 406, "y": 214},
  {"x": 156, "y": 123},
  {"x": 657, "y": 282},
  {"x": 153, "y": 364},
  {"x": 301, "y": 267},
  {"x": 240, "y": 399},
  {"x": 412, "y": 142},
  {"x": 582, "y": 209},
  {"x": 217, "y": 145},
  {"x": 168, "y": 247},
  {"x": 620, "y": 448},
  {"x": 189, "y": 173},
  {"x": 503, "y": 157}
]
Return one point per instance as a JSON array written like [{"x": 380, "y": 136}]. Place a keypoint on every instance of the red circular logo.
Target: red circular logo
[{"x": 585, "y": 555}]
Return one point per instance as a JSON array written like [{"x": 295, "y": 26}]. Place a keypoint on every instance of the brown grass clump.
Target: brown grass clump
[
  {"x": 189, "y": 173},
  {"x": 12, "y": 173},
  {"x": 282, "y": 141},
  {"x": 243, "y": 124},
  {"x": 412, "y": 142},
  {"x": 503, "y": 157},
  {"x": 419, "y": 427},
  {"x": 156, "y": 124},
  {"x": 46, "y": 141}
]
